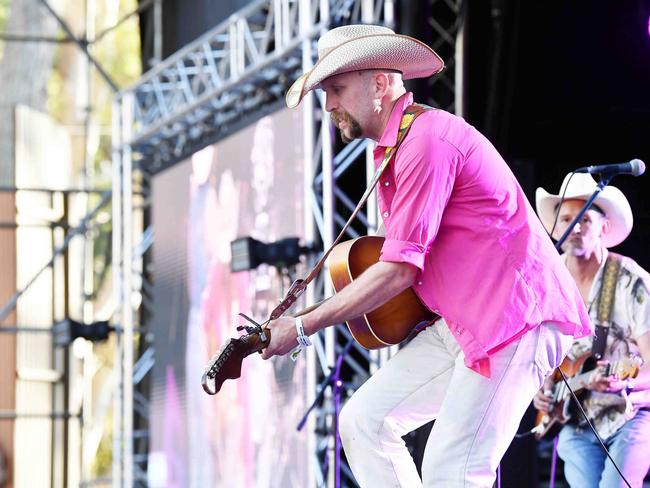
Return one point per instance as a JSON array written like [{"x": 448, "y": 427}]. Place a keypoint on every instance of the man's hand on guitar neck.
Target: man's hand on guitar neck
[
  {"x": 283, "y": 337},
  {"x": 604, "y": 384}
]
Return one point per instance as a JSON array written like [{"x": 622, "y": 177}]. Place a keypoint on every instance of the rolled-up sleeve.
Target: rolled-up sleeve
[
  {"x": 395, "y": 251},
  {"x": 425, "y": 168}
]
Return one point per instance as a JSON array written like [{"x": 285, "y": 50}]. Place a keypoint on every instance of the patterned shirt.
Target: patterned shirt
[
  {"x": 630, "y": 319},
  {"x": 452, "y": 208}
]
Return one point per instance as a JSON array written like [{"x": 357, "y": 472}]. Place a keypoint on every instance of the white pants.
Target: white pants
[{"x": 476, "y": 417}]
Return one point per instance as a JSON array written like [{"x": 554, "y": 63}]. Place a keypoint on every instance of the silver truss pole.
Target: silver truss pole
[
  {"x": 157, "y": 32},
  {"x": 310, "y": 231},
  {"x": 328, "y": 334},
  {"x": 118, "y": 379},
  {"x": 459, "y": 74},
  {"x": 127, "y": 308}
]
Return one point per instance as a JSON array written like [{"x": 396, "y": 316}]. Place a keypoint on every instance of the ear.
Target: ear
[
  {"x": 380, "y": 84},
  {"x": 605, "y": 226}
]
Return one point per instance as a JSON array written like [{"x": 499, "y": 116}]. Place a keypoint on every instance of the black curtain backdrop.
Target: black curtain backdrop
[
  {"x": 183, "y": 21},
  {"x": 558, "y": 85}
]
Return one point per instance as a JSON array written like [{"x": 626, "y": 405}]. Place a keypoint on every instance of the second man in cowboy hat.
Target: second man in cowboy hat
[
  {"x": 461, "y": 234},
  {"x": 619, "y": 410}
]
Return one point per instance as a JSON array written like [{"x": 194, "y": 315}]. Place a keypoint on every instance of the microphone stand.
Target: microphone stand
[{"x": 333, "y": 379}]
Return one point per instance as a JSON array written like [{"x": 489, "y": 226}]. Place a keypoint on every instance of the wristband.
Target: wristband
[{"x": 302, "y": 339}]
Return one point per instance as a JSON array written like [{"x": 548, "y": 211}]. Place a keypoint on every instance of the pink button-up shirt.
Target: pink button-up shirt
[{"x": 452, "y": 208}]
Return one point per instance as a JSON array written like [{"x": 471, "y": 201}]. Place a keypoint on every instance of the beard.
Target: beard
[
  {"x": 574, "y": 246},
  {"x": 353, "y": 126}
]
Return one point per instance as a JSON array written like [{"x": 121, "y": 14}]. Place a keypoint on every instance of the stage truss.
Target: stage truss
[{"x": 223, "y": 81}]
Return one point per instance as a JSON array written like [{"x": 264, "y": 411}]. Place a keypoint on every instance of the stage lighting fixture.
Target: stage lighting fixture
[
  {"x": 248, "y": 253},
  {"x": 66, "y": 331}
]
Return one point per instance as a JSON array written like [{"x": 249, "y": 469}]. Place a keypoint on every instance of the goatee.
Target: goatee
[{"x": 352, "y": 125}]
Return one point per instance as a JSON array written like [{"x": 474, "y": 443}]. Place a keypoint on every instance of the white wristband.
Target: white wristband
[{"x": 302, "y": 339}]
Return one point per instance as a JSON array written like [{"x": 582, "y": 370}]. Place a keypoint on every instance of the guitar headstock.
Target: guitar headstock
[
  {"x": 625, "y": 368},
  {"x": 226, "y": 363}
]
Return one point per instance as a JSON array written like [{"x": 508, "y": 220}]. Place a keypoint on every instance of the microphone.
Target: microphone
[{"x": 636, "y": 167}]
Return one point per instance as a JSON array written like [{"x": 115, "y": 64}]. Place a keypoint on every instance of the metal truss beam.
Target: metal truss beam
[
  {"x": 445, "y": 23},
  {"x": 231, "y": 75}
]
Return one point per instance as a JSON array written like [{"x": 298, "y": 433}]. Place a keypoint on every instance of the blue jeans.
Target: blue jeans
[{"x": 587, "y": 466}]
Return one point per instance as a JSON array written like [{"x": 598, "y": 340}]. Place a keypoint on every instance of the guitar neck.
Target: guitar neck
[{"x": 578, "y": 382}]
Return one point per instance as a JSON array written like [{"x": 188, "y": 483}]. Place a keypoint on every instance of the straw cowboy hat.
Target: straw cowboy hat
[
  {"x": 361, "y": 47},
  {"x": 611, "y": 200}
]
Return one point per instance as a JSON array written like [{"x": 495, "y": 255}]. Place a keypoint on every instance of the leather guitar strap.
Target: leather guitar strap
[
  {"x": 606, "y": 298},
  {"x": 299, "y": 286}
]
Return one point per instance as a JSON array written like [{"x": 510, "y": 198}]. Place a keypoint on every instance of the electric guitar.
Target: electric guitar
[
  {"x": 577, "y": 378},
  {"x": 387, "y": 325}
]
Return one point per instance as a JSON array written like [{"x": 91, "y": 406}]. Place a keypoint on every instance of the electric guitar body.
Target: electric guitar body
[{"x": 577, "y": 372}]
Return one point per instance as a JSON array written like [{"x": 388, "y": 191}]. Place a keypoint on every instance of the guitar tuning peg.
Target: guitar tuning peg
[{"x": 240, "y": 328}]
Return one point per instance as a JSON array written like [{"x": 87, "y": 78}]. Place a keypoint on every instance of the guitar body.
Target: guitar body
[{"x": 393, "y": 321}]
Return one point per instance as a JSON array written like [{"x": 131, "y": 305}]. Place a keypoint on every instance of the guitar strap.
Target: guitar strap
[
  {"x": 606, "y": 298},
  {"x": 299, "y": 286}
]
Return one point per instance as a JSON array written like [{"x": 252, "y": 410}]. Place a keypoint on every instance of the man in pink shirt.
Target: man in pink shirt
[{"x": 461, "y": 233}]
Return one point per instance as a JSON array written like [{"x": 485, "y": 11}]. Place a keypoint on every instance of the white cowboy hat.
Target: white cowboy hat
[
  {"x": 361, "y": 47},
  {"x": 611, "y": 200}
]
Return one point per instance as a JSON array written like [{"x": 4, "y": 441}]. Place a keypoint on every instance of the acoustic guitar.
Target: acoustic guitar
[
  {"x": 577, "y": 372},
  {"x": 387, "y": 325}
]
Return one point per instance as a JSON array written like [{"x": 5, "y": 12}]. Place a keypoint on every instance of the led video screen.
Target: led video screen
[{"x": 250, "y": 184}]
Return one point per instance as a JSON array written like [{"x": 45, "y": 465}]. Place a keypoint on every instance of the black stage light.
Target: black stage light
[
  {"x": 248, "y": 253},
  {"x": 66, "y": 331},
  {"x": 244, "y": 254}
]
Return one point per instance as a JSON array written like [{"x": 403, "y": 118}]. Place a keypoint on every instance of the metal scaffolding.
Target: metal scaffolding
[
  {"x": 223, "y": 81},
  {"x": 67, "y": 465},
  {"x": 52, "y": 343}
]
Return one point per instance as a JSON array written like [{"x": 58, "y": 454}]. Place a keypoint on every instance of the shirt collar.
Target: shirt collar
[{"x": 389, "y": 137}]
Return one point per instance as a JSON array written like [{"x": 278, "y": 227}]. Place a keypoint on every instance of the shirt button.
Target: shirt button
[
  {"x": 419, "y": 282},
  {"x": 386, "y": 183},
  {"x": 458, "y": 331},
  {"x": 385, "y": 214}
]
